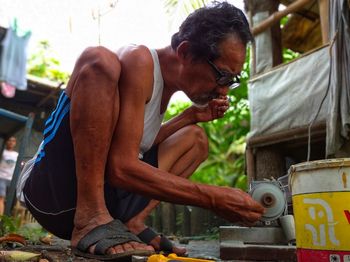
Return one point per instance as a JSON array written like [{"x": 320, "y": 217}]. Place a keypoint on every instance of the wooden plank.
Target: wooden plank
[
  {"x": 253, "y": 235},
  {"x": 229, "y": 251},
  {"x": 285, "y": 65}
]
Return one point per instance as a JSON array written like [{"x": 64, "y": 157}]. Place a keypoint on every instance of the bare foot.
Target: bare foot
[
  {"x": 82, "y": 229},
  {"x": 136, "y": 225}
]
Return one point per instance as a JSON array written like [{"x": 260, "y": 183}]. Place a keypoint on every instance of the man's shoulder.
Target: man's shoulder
[
  {"x": 136, "y": 60},
  {"x": 133, "y": 48}
]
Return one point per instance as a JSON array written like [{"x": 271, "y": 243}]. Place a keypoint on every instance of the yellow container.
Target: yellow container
[
  {"x": 321, "y": 204},
  {"x": 174, "y": 258}
]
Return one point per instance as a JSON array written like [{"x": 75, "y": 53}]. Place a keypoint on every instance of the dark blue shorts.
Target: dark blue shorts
[
  {"x": 121, "y": 204},
  {"x": 51, "y": 189}
]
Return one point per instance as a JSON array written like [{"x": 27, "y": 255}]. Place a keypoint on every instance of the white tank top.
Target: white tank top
[{"x": 153, "y": 118}]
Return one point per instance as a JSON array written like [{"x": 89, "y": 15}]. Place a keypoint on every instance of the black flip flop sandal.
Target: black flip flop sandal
[
  {"x": 106, "y": 236},
  {"x": 165, "y": 245}
]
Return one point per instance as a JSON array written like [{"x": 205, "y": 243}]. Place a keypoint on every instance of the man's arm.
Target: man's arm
[
  {"x": 125, "y": 170},
  {"x": 192, "y": 115}
]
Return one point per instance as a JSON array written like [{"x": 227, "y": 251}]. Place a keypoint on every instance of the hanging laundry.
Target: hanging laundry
[
  {"x": 8, "y": 90},
  {"x": 13, "y": 59}
]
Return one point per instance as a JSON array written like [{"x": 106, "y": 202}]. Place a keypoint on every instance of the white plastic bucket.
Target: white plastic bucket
[{"x": 321, "y": 204}]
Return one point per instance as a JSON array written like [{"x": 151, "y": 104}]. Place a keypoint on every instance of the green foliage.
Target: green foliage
[
  {"x": 9, "y": 224},
  {"x": 289, "y": 55},
  {"x": 284, "y": 21},
  {"x": 42, "y": 64},
  {"x": 32, "y": 232},
  {"x": 222, "y": 147},
  {"x": 174, "y": 109}
]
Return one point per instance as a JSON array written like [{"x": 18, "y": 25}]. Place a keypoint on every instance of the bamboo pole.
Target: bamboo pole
[
  {"x": 324, "y": 17},
  {"x": 275, "y": 17}
]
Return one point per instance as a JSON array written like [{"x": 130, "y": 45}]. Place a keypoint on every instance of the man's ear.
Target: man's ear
[{"x": 182, "y": 51}]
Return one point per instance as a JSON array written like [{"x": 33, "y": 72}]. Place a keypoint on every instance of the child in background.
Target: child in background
[{"x": 7, "y": 167}]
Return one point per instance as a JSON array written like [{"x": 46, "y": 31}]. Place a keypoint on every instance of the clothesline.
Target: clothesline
[{"x": 13, "y": 59}]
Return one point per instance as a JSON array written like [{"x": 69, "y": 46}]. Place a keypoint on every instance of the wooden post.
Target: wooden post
[
  {"x": 157, "y": 221},
  {"x": 324, "y": 18},
  {"x": 269, "y": 163},
  {"x": 250, "y": 164},
  {"x": 197, "y": 221},
  {"x": 169, "y": 220},
  {"x": 186, "y": 223},
  {"x": 11, "y": 194}
]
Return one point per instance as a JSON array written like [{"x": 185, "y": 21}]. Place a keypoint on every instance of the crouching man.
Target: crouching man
[{"x": 106, "y": 160}]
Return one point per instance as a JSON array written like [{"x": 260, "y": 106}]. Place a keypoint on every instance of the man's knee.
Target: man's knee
[
  {"x": 95, "y": 65},
  {"x": 102, "y": 59},
  {"x": 99, "y": 61},
  {"x": 200, "y": 140}
]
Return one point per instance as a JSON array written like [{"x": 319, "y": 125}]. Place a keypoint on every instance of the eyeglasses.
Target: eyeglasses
[{"x": 224, "y": 78}]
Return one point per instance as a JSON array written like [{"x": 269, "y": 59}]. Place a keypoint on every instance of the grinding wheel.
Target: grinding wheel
[{"x": 271, "y": 197}]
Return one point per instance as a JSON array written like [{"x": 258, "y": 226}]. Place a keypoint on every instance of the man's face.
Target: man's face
[{"x": 211, "y": 79}]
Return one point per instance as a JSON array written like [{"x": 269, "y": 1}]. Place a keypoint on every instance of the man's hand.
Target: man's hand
[
  {"x": 215, "y": 109},
  {"x": 235, "y": 205}
]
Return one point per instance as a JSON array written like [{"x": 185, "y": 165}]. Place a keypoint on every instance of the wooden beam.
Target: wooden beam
[
  {"x": 42, "y": 82},
  {"x": 324, "y": 17},
  {"x": 295, "y": 134},
  {"x": 36, "y": 92},
  {"x": 275, "y": 17}
]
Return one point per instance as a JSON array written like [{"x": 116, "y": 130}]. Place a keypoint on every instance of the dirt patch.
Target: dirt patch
[{"x": 60, "y": 251}]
